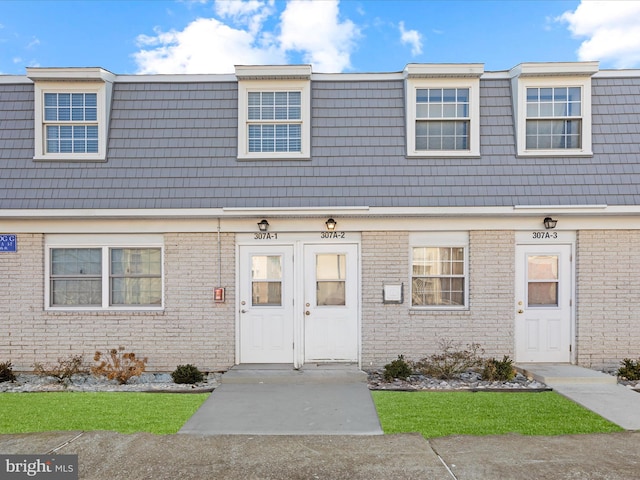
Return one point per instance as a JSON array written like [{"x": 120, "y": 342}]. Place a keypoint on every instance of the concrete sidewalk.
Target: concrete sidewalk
[
  {"x": 278, "y": 400},
  {"x": 595, "y": 391},
  {"x": 408, "y": 456}
]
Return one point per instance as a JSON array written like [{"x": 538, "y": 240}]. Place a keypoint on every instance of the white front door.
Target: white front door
[
  {"x": 543, "y": 303},
  {"x": 266, "y": 304},
  {"x": 331, "y": 302}
]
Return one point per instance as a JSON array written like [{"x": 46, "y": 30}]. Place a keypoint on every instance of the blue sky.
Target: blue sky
[{"x": 211, "y": 36}]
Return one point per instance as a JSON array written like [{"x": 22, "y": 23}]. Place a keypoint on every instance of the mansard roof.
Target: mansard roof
[{"x": 172, "y": 143}]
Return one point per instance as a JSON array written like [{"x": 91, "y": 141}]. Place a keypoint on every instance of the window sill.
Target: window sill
[
  {"x": 434, "y": 309},
  {"x": 69, "y": 158},
  {"x": 275, "y": 157},
  {"x": 555, "y": 153},
  {"x": 444, "y": 154},
  {"x": 131, "y": 309}
]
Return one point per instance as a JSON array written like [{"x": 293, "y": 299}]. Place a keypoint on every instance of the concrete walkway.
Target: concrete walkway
[
  {"x": 596, "y": 391},
  {"x": 278, "y": 400},
  {"x": 142, "y": 456}
]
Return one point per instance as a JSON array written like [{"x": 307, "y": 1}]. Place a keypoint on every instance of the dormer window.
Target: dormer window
[
  {"x": 552, "y": 104},
  {"x": 71, "y": 122},
  {"x": 71, "y": 113},
  {"x": 554, "y": 118},
  {"x": 442, "y": 119},
  {"x": 274, "y": 112},
  {"x": 443, "y": 110},
  {"x": 274, "y": 121}
]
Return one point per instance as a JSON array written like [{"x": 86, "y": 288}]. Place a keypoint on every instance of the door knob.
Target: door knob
[
  {"x": 520, "y": 311},
  {"x": 243, "y": 311},
  {"x": 307, "y": 312}
]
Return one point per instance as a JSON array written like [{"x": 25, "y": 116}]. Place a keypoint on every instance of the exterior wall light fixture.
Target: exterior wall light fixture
[
  {"x": 263, "y": 225},
  {"x": 549, "y": 223},
  {"x": 331, "y": 224}
]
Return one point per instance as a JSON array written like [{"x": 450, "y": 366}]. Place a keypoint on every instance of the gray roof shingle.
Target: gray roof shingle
[{"x": 173, "y": 145}]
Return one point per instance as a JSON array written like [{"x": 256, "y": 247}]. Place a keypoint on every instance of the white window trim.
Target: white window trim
[
  {"x": 538, "y": 75},
  {"x": 71, "y": 80},
  {"x": 443, "y": 76},
  {"x": 445, "y": 240},
  {"x": 40, "y": 123},
  {"x": 104, "y": 242},
  {"x": 302, "y": 86},
  {"x": 286, "y": 85}
]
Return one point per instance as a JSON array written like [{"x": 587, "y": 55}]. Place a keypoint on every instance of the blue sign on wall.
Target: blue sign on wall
[{"x": 8, "y": 242}]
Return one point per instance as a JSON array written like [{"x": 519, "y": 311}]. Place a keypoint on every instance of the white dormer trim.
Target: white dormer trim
[
  {"x": 420, "y": 76},
  {"x": 554, "y": 69},
  {"x": 550, "y": 75},
  {"x": 274, "y": 78},
  {"x": 71, "y": 80},
  {"x": 443, "y": 70},
  {"x": 273, "y": 72}
]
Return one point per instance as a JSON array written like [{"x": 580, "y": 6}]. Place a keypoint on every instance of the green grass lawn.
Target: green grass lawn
[
  {"x": 438, "y": 414},
  {"x": 130, "y": 412}
]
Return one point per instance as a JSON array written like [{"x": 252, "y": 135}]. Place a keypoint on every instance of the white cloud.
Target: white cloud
[
  {"x": 251, "y": 13},
  {"x": 239, "y": 35},
  {"x": 204, "y": 46},
  {"x": 34, "y": 42},
  {"x": 612, "y": 29},
  {"x": 313, "y": 28},
  {"x": 411, "y": 37}
]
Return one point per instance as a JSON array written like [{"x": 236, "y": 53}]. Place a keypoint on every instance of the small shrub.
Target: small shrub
[
  {"x": 630, "y": 369},
  {"x": 398, "y": 368},
  {"x": 451, "y": 362},
  {"x": 187, "y": 374},
  {"x": 498, "y": 370},
  {"x": 63, "y": 370},
  {"x": 117, "y": 365},
  {"x": 6, "y": 372}
]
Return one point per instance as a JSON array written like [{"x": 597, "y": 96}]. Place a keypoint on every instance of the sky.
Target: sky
[{"x": 349, "y": 36}]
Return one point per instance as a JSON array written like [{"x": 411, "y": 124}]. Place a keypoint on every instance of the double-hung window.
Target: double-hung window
[
  {"x": 554, "y": 118},
  {"x": 439, "y": 277},
  {"x": 275, "y": 121},
  {"x": 71, "y": 122},
  {"x": 552, "y": 103},
  {"x": 443, "y": 110},
  {"x": 83, "y": 274},
  {"x": 71, "y": 113},
  {"x": 274, "y": 105}
]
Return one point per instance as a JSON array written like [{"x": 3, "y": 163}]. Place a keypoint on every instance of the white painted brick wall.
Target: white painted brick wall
[
  {"x": 608, "y": 296},
  {"x": 391, "y": 330},
  {"x": 192, "y": 329}
]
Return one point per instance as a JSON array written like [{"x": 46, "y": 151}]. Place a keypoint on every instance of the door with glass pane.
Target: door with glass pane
[
  {"x": 543, "y": 303},
  {"x": 331, "y": 303},
  {"x": 266, "y": 304}
]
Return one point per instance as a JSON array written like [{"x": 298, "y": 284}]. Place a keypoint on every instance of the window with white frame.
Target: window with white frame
[
  {"x": 71, "y": 113},
  {"x": 439, "y": 276},
  {"x": 553, "y": 108},
  {"x": 443, "y": 110},
  {"x": 554, "y": 118},
  {"x": 442, "y": 119},
  {"x": 82, "y": 274},
  {"x": 274, "y": 112},
  {"x": 274, "y": 122},
  {"x": 71, "y": 122}
]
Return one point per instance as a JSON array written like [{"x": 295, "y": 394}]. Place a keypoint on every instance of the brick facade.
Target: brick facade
[
  {"x": 608, "y": 286},
  {"x": 192, "y": 328},
  {"x": 391, "y": 330}
]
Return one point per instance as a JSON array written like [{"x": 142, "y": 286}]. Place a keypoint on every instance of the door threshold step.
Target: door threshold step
[
  {"x": 285, "y": 373},
  {"x": 564, "y": 373}
]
